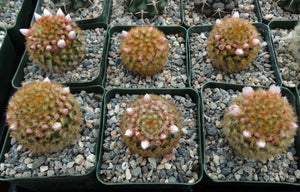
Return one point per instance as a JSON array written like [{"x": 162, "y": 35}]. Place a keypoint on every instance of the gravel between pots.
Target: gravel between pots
[
  {"x": 9, "y": 13},
  {"x": 174, "y": 74},
  {"x": 260, "y": 71},
  {"x": 87, "y": 71},
  {"x": 222, "y": 163},
  {"x": 119, "y": 165},
  {"x": 77, "y": 159}
]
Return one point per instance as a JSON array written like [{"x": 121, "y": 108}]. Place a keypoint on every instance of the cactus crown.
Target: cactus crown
[
  {"x": 292, "y": 6},
  {"x": 233, "y": 44},
  {"x": 151, "y": 126},
  {"x": 71, "y": 5},
  {"x": 146, "y": 8},
  {"x": 54, "y": 42},
  {"x": 144, "y": 50},
  {"x": 215, "y": 8},
  {"x": 260, "y": 124},
  {"x": 44, "y": 117}
]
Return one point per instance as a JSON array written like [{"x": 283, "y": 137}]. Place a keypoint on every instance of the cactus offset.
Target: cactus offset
[
  {"x": 260, "y": 124},
  {"x": 54, "y": 42},
  {"x": 233, "y": 44},
  {"x": 71, "y": 5},
  {"x": 144, "y": 50},
  {"x": 215, "y": 8},
  {"x": 292, "y": 6},
  {"x": 44, "y": 117},
  {"x": 146, "y": 8},
  {"x": 151, "y": 126}
]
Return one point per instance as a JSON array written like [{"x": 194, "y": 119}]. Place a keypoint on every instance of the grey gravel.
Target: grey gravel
[
  {"x": 173, "y": 75},
  {"x": 222, "y": 163},
  {"x": 159, "y": 169},
  {"x": 87, "y": 71},
  {"x": 23, "y": 164},
  {"x": 9, "y": 13}
]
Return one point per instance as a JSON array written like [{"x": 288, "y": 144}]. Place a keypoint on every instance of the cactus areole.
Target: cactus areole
[
  {"x": 54, "y": 42},
  {"x": 151, "y": 126},
  {"x": 260, "y": 123},
  {"x": 44, "y": 117}
]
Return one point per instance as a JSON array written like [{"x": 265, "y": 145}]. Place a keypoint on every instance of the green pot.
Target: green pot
[
  {"x": 265, "y": 34},
  {"x": 129, "y": 184},
  {"x": 210, "y": 180},
  {"x": 65, "y": 182},
  {"x": 19, "y": 75},
  {"x": 116, "y": 57},
  {"x": 289, "y": 25}
]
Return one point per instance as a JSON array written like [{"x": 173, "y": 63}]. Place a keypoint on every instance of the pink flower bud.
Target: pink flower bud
[
  {"x": 72, "y": 35},
  {"x": 218, "y": 22},
  {"x": 40, "y": 134},
  {"x": 138, "y": 133},
  {"x": 125, "y": 34},
  {"x": 68, "y": 18},
  {"x": 53, "y": 42},
  {"x": 163, "y": 40},
  {"x": 162, "y": 136},
  {"x": 29, "y": 131},
  {"x": 129, "y": 132},
  {"x": 245, "y": 46},
  {"x": 48, "y": 48},
  {"x": 255, "y": 42},
  {"x": 145, "y": 143},
  {"x": 260, "y": 143},
  {"x": 236, "y": 15},
  {"x": 158, "y": 103},
  {"x": 46, "y": 12},
  {"x": 217, "y": 37},
  {"x": 239, "y": 52},
  {"x": 130, "y": 111},
  {"x": 171, "y": 117},
  {"x": 158, "y": 143},
  {"x": 228, "y": 47},
  {"x": 221, "y": 47},
  {"x": 45, "y": 126},
  {"x": 61, "y": 43},
  {"x": 57, "y": 126},
  {"x": 246, "y": 134},
  {"x": 173, "y": 129},
  {"x": 293, "y": 126},
  {"x": 140, "y": 58},
  {"x": 60, "y": 12},
  {"x": 147, "y": 99},
  {"x": 25, "y": 32},
  {"x": 161, "y": 48},
  {"x": 126, "y": 50},
  {"x": 234, "y": 110},
  {"x": 247, "y": 92},
  {"x": 242, "y": 120},
  {"x": 13, "y": 127},
  {"x": 256, "y": 134},
  {"x": 33, "y": 47},
  {"x": 274, "y": 89},
  {"x": 47, "y": 80},
  {"x": 37, "y": 16},
  {"x": 65, "y": 111},
  {"x": 38, "y": 46}
]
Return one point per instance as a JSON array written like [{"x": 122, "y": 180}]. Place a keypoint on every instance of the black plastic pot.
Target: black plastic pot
[
  {"x": 283, "y": 24},
  {"x": 265, "y": 34},
  {"x": 19, "y": 75},
  {"x": 127, "y": 184},
  {"x": 66, "y": 182},
  {"x": 167, "y": 30},
  {"x": 242, "y": 183}
]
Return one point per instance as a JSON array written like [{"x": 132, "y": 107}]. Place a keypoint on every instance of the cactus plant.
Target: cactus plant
[
  {"x": 144, "y": 50},
  {"x": 151, "y": 126},
  {"x": 215, "y": 8},
  {"x": 54, "y": 42},
  {"x": 146, "y": 8},
  {"x": 44, "y": 117},
  {"x": 233, "y": 44},
  {"x": 71, "y": 5},
  {"x": 260, "y": 123},
  {"x": 295, "y": 44},
  {"x": 292, "y": 6}
]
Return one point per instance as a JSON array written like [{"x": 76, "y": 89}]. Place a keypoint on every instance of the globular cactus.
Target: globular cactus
[
  {"x": 146, "y": 8},
  {"x": 151, "y": 126},
  {"x": 233, "y": 44},
  {"x": 54, "y": 42},
  {"x": 144, "y": 50},
  {"x": 71, "y": 5},
  {"x": 295, "y": 44},
  {"x": 292, "y": 6},
  {"x": 215, "y": 8},
  {"x": 260, "y": 124},
  {"x": 44, "y": 117}
]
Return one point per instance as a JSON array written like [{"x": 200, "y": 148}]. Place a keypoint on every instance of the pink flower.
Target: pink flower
[
  {"x": 147, "y": 99},
  {"x": 255, "y": 42},
  {"x": 218, "y": 22},
  {"x": 247, "y": 92},
  {"x": 247, "y": 134},
  {"x": 293, "y": 126},
  {"x": 29, "y": 131},
  {"x": 260, "y": 143},
  {"x": 145, "y": 143},
  {"x": 228, "y": 47},
  {"x": 158, "y": 143},
  {"x": 61, "y": 43},
  {"x": 45, "y": 126},
  {"x": 72, "y": 35},
  {"x": 130, "y": 111},
  {"x": 245, "y": 46},
  {"x": 47, "y": 80},
  {"x": 274, "y": 89},
  {"x": 13, "y": 127},
  {"x": 163, "y": 40},
  {"x": 68, "y": 18},
  {"x": 25, "y": 32},
  {"x": 173, "y": 129},
  {"x": 236, "y": 15},
  {"x": 138, "y": 133},
  {"x": 48, "y": 48},
  {"x": 221, "y": 47},
  {"x": 239, "y": 52},
  {"x": 46, "y": 12},
  {"x": 234, "y": 110},
  {"x": 57, "y": 126},
  {"x": 217, "y": 37},
  {"x": 129, "y": 132},
  {"x": 125, "y": 34},
  {"x": 60, "y": 12},
  {"x": 37, "y": 16},
  {"x": 162, "y": 136},
  {"x": 161, "y": 48},
  {"x": 40, "y": 134}
]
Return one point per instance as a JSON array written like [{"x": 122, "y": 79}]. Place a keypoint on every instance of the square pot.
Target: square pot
[
  {"x": 101, "y": 7},
  {"x": 175, "y": 74},
  {"x": 262, "y": 71},
  {"x": 280, "y": 33},
  {"x": 119, "y": 168},
  {"x": 92, "y": 63},
  {"x": 222, "y": 166},
  {"x": 172, "y": 15},
  {"x": 248, "y": 10},
  {"x": 67, "y": 170}
]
